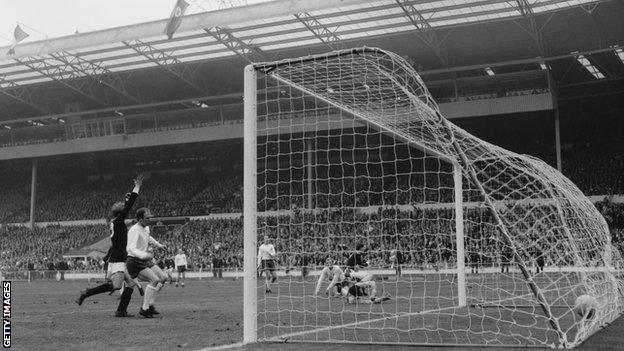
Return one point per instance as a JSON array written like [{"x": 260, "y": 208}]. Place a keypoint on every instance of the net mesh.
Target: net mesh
[{"x": 352, "y": 151}]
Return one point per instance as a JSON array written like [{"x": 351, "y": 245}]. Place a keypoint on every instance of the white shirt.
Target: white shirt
[
  {"x": 180, "y": 260},
  {"x": 361, "y": 276},
  {"x": 266, "y": 252},
  {"x": 335, "y": 274},
  {"x": 138, "y": 241}
]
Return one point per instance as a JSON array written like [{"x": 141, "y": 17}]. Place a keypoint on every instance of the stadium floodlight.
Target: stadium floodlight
[
  {"x": 589, "y": 66},
  {"x": 357, "y": 154}
]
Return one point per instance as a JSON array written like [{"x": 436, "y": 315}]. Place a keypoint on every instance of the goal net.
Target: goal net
[{"x": 348, "y": 153}]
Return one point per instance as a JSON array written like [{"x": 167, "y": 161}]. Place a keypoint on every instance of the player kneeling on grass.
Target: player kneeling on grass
[
  {"x": 334, "y": 274},
  {"x": 360, "y": 287},
  {"x": 140, "y": 261},
  {"x": 585, "y": 306}
]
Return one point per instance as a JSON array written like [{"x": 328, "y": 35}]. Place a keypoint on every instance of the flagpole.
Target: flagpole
[{"x": 31, "y": 28}]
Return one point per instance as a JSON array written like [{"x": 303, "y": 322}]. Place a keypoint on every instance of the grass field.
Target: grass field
[{"x": 208, "y": 313}]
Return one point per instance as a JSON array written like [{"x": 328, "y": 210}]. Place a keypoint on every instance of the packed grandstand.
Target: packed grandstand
[
  {"x": 86, "y": 129},
  {"x": 196, "y": 181}
]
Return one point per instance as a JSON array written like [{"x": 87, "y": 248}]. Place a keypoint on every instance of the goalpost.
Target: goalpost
[{"x": 348, "y": 149}]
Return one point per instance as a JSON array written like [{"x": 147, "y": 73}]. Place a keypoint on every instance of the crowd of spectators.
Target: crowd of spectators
[
  {"x": 41, "y": 248},
  {"x": 424, "y": 235}
]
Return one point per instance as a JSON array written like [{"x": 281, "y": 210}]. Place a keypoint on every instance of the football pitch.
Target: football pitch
[{"x": 208, "y": 313}]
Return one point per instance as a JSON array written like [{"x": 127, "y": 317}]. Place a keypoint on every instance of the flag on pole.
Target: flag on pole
[
  {"x": 18, "y": 35},
  {"x": 176, "y": 18}
]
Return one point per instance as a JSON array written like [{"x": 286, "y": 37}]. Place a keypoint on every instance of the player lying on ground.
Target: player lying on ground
[
  {"x": 334, "y": 274},
  {"x": 117, "y": 271},
  {"x": 359, "y": 287}
]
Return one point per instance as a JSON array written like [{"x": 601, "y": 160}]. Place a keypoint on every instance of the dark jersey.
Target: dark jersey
[
  {"x": 356, "y": 259},
  {"x": 161, "y": 263},
  {"x": 120, "y": 231},
  {"x": 357, "y": 291}
]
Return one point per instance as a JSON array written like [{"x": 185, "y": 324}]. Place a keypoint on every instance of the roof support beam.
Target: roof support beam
[
  {"x": 97, "y": 72},
  {"x": 20, "y": 94},
  {"x": 196, "y": 21},
  {"x": 328, "y": 37},
  {"x": 239, "y": 47},
  {"x": 166, "y": 61},
  {"x": 425, "y": 32},
  {"x": 65, "y": 75},
  {"x": 530, "y": 26}
]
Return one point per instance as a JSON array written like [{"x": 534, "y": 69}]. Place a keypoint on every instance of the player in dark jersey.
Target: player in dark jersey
[
  {"x": 117, "y": 272},
  {"x": 357, "y": 258}
]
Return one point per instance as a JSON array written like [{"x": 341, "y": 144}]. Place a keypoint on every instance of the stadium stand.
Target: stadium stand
[
  {"x": 198, "y": 238},
  {"x": 204, "y": 178}
]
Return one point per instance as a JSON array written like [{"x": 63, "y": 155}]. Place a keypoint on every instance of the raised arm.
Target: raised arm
[{"x": 129, "y": 202}]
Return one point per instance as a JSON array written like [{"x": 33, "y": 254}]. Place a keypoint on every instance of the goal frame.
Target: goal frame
[
  {"x": 250, "y": 278},
  {"x": 464, "y": 169}
]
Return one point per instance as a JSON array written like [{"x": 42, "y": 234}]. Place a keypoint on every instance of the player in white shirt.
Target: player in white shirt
[
  {"x": 360, "y": 287},
  {"x": 266, "y": 262},
  {"x": 181, "y": 264},
  {"x": 334, "y": 274},
  {"x": 140, "y": 261}
]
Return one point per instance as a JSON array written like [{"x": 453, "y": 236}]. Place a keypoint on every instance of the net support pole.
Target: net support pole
[
  {"x": 459, "y": 235},
  {"x": 33, "y": 193},
  {"x": 250, "y": 207},
  {"x": 463, "y": 161},
  {"x": 506, "y": 236},
  {"x": 309, "y": 168}
]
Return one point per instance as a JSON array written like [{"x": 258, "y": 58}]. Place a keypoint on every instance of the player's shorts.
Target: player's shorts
[
  {"x": 136, "y": 265},
  {"x": 115, "y": 267},
  {"x": 181, "y": 269},
  {"x": 268, "y": 265}
]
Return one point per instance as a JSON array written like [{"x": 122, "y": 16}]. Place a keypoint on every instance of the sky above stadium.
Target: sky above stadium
[{"x": 43, "y": 19}]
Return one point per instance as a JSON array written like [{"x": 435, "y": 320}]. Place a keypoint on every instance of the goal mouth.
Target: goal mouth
[{"x": 347, "y": 155}]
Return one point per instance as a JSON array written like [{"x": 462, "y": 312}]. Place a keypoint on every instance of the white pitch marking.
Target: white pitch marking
[
  {"x": 222, "y": 347},
  {"x": 281, "y": 337}
]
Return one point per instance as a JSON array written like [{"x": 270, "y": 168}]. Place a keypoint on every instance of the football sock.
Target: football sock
[
  {"x": 153, "y": 297},
  {"x": 125, "y": 299},
  {"x": 106, "y": 287},
  {"x": 149, "y": 292}
]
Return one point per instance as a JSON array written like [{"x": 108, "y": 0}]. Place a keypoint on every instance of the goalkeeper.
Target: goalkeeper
[{"x": 334, "y": 274}]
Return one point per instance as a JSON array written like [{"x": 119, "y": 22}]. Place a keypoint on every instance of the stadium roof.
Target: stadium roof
[{"x": 137, "y": 64}]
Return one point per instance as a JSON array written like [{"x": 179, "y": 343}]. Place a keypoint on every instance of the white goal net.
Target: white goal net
[{"x": 347, "y": 152}]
